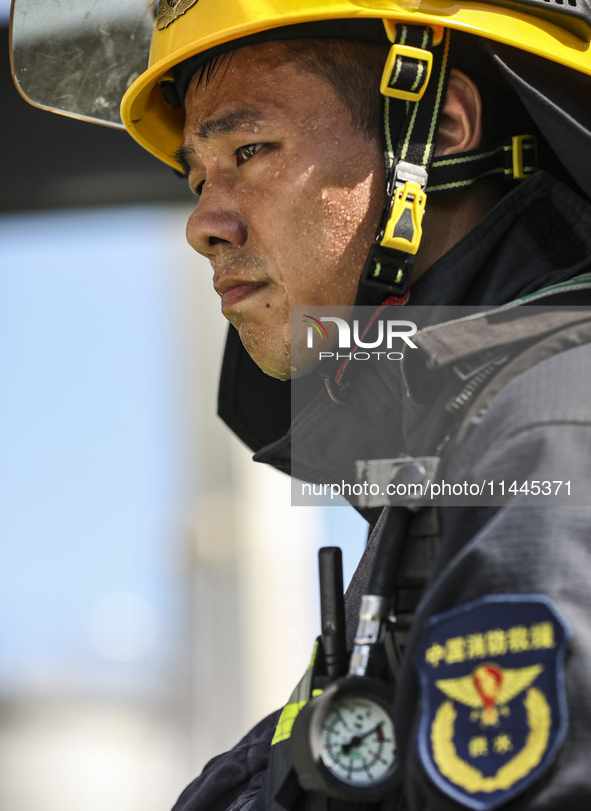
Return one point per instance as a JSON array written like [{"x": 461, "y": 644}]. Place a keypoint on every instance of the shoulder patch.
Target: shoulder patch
[{"x": 493, "y": 706}]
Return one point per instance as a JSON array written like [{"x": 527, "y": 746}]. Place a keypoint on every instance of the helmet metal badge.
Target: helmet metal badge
[{"x": 170, "y": 10}]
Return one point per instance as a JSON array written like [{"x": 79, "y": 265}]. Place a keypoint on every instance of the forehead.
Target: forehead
[{"x": 260, "y": 77}]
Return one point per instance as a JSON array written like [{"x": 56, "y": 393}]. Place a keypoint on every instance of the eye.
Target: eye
[{"x": 245, "y": 153}]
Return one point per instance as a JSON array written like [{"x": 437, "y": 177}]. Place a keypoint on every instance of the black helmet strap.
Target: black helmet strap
[
  {"x": 417, "y": 72},
  {"x": 515, "y": 158}
]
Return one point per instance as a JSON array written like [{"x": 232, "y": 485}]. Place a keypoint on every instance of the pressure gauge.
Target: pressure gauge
[{"x": 343, "y": 743}]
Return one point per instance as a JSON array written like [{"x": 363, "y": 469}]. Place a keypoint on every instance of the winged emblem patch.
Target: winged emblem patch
[
  {"x": 493, "y": 706},
  {"x": 488, "y": 690},
  {"x": 171, "y": 10}
]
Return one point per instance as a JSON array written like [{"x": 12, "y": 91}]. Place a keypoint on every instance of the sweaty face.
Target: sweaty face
[{"x": 290, "y": 194}]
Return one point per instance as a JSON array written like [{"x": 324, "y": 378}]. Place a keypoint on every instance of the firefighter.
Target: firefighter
[{"x": 366, "y": 152}]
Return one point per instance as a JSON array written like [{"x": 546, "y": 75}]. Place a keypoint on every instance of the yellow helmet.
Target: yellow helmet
[
  {"x": 541, "y": 47},
  {"x": 555, "y": 30}
]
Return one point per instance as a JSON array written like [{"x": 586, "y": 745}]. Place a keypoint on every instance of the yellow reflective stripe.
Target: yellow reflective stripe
[
  {"x": 313, "y": 657},
  {"x": 287, "y": 718}
]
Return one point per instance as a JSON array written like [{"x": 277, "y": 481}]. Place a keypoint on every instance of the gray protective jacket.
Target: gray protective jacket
[{"x": 492, "y": 702}]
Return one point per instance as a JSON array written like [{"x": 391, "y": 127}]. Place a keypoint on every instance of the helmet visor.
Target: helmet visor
[{"x": 78, "y": 57}]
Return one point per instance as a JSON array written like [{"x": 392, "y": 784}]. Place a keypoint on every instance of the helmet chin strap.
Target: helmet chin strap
[{"x": 417, "y": 72}]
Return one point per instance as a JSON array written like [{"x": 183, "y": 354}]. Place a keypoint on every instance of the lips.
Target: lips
[{"x": 234, "y": 291}]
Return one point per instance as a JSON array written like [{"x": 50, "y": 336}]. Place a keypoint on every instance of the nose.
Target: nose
[{"x": 215, "y": 224}]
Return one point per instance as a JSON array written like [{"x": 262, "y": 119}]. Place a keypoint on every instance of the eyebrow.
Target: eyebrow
[
  {"x": 229, "y": 122},
  {"x": 224, "y": 124}
]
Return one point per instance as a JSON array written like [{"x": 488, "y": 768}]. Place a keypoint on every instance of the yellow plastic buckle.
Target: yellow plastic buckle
[
  {"x": 403, "y": 230},
  {"x": 393, "y": 66},
  {"x": 520, "y": 142}
]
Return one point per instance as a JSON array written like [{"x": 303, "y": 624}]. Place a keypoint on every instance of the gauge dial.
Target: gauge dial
[{"x": 357, "y": 742}]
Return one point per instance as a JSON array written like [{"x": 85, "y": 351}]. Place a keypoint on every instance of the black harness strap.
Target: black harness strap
[
  {"x": 515, "y": 158},
  {"x": 411, "y": 62},
  {"x": 417, "y": 73}
]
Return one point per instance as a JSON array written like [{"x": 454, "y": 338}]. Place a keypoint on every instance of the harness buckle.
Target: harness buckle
[
  {"x": 406, "y": 72},
  {"x": 410, "y": 171},
  {"x": 403, "y": 230},
  {"x": 524, "y": 166},
  {"x": 390, "y": 260}
]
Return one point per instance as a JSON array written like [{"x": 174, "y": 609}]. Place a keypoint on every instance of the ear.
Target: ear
[{"x": 460, "y": 125}]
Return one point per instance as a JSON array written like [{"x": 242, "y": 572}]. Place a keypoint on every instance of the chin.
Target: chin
[
  {"x": 277, "y": 357},
  {"x": 283, "y": 368},
  {"x": 277, "y": 370},
  {"x": 275, "y": 362},
  {"x": 268, "y": 348}
]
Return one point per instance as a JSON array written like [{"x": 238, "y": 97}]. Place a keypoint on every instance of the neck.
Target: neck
[{"x": 448, "y": 218}]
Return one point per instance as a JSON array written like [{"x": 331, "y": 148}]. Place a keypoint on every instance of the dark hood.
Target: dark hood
[{"x": 557, "y": 98}]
